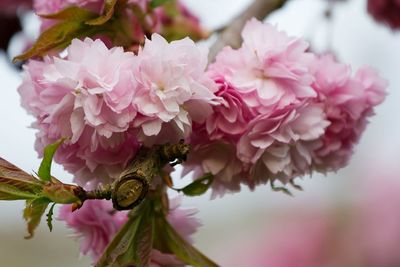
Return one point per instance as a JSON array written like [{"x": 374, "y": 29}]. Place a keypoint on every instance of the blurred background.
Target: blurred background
[{"x": 248, "y": 226}]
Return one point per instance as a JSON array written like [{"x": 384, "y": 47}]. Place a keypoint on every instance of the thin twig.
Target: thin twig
[{"x": 231, "y": 35}]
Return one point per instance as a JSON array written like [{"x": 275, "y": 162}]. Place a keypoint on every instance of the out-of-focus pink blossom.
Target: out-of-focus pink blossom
[
  {"x": 270, "y": 69},
  {"x": 86, "y": 97},
  {"x": 96, "y": 223},
  {"x": 385, "y": 11},
  {"x": 10, "y": 7},
  {"x": 361, "y": 230},
  {"x": 172, "y": 89}
]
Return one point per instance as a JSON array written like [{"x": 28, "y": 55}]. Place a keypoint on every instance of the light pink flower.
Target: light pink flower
[
  {"x": 96, "y": 223},
  {"x": 217, "y": 157},
  {"x": 270, "y": 69},
  {"x": 86, "y": 97},
  {"x": 348, "y": 103},
  {"x": 273, "y": 144},
  {"x": 172, "y": 89}
]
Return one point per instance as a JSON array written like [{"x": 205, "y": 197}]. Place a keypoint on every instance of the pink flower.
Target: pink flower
[
  {"x": 385, "y": 11},
  {"x": 217, "y": 157},
  {"x": 96, "y": 223},
  {"x": 270, "y": 69},
  {"x": 273, "y": 144},
  {"x": 348, "y": 104},
  {"x": 231, "y": 117},
  {"x": 86, "y": 97},
  {"x": 172, "y": 89}
]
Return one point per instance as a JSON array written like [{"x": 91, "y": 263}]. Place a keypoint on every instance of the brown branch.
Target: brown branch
[{"x": 231, "y": 35}]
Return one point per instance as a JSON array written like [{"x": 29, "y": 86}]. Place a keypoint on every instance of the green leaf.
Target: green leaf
[
  {"x": 139, "y": 250},
  {"x": 60, "y": 35},
  {"x": 177, "y": 245},
  {"x": 199, "y": 186},
  {"x": 33, "y": 213},
  {"x": 109, "y": 7},
  {"x": 71, "y": 13},
  {"x": 10, "y": 192},
  {"x": 44, "y": 172},
  {"x": 133, "y": 243},
  {"x": 280, "y": 189},
  {"x": 49, "y": 216},
  {"x": 157, "y": 3},
  {"x": 14, "y": 180}
]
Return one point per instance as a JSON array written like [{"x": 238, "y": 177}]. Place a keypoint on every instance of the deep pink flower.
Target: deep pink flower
[
  {"x": 86, "y": 97},
  {"x": 231, "y": 117},
  {"x": 385, "y": 11},
  {"x": 172, "y": 89},
  {"x": 96, "y": 223}
]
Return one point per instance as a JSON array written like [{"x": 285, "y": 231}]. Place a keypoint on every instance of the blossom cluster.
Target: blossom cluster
[
  {"x": 96, "y": 223},
  {"x": 270, "y": 110},
  {"x": 285, "y": 112}
]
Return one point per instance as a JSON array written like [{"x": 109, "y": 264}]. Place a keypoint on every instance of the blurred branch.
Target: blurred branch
[{"x": 230, "y": 36}]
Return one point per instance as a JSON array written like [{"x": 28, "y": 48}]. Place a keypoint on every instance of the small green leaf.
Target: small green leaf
[
  {"x": 157, "y": 3},
  {"x": 296, "y": 186},
  {"x": 139, "y": 250},
  {"x": 183, "y": 250},
  {"x": 71, "y": 13},
  {"x": 199, "y": 186},
  {"x": 33, "y": 213},
  {"x": 44, "y": 172},
  {"x": 109, "y": 7},
  {"x": 59, "y": 35},
  {"x": 281, "y": 189},
  {"x": 49, "y": 216}
]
